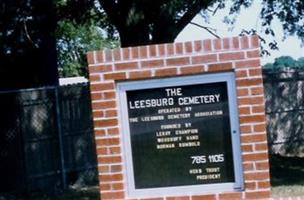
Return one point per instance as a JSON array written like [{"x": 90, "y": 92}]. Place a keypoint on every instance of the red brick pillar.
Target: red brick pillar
[{"x": 239, "y": 55}]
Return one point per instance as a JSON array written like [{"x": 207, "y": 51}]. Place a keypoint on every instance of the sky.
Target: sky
[{"x": 248, "y": 18}]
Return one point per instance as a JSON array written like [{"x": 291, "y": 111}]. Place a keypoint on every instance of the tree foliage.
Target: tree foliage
[
  {"x": 74, "y": 41},
  {"x": 137, "y": 22},
  {"x": 146, "y": 22},
  {"x": 25, "y": 24},
  {"x": 140, "y": 22},
  {"x": 81, "y": 27},
  {"x": 285, "y": 62},
  {"x": 27, "y": 44},
  {"x": 290, "y": 13},
  {"x": 27, "y": 27}
]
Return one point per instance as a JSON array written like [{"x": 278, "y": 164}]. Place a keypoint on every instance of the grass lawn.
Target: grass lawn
[
  {"x": 287, "y": 176},
  {"x": 287, "y": 179},
  {"x": 86, "y": 193}
]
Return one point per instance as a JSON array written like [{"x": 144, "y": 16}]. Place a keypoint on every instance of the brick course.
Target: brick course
[{"x": 238, "y": 54}]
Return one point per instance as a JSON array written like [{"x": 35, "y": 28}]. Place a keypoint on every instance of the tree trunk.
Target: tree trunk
[
  {"x": 134, "y": 36},
  {"x": 131, "y": 36}
]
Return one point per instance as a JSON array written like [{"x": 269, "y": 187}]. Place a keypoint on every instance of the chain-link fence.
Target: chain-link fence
[
  {"x": 46, "y": 134},
  {"x": 46, "y": 139},
  {"x": 284, "y": 93}
]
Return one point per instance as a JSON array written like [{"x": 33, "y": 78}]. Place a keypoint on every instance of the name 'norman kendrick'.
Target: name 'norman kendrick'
[{"x": 181, "y": 101}]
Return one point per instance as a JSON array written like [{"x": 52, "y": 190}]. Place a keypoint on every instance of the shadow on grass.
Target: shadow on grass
[
  {"x": 287, "y": 176},
  {"x": 85, "y": 193},
  {"x": 286, "y": 170},
  {"x": 91, "y": 193}
]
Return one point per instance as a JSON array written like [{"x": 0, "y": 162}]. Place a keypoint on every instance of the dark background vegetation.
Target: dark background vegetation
[{"x": 32, "y": 31}]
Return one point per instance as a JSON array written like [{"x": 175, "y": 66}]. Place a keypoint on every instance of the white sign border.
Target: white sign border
[{"x": 124, "y": 86}]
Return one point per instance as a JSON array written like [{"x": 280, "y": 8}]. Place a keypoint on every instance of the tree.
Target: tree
[
  {"x": 27, "y": 44},
  {"x": 27, "y": 26},
  {"x": 147, "y": 22},
  {"x": 285, "y": 62},
  {"x": 141, "y": 22},
  {"x": 73, "y": 41}
]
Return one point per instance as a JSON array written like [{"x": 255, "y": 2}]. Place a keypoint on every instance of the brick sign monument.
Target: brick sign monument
[{"x": 180, "y": 121}]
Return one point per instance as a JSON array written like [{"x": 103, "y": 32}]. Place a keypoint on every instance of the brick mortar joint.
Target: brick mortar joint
[
  {"x": 249, "y": 37},
  {"x": 178, "y": 69},
  {"x": 166, "y": 54},
  {"x": 205, "y": 65},
  {"x": 172, "y": 56},
  {"x": 157, "y": 46}
]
